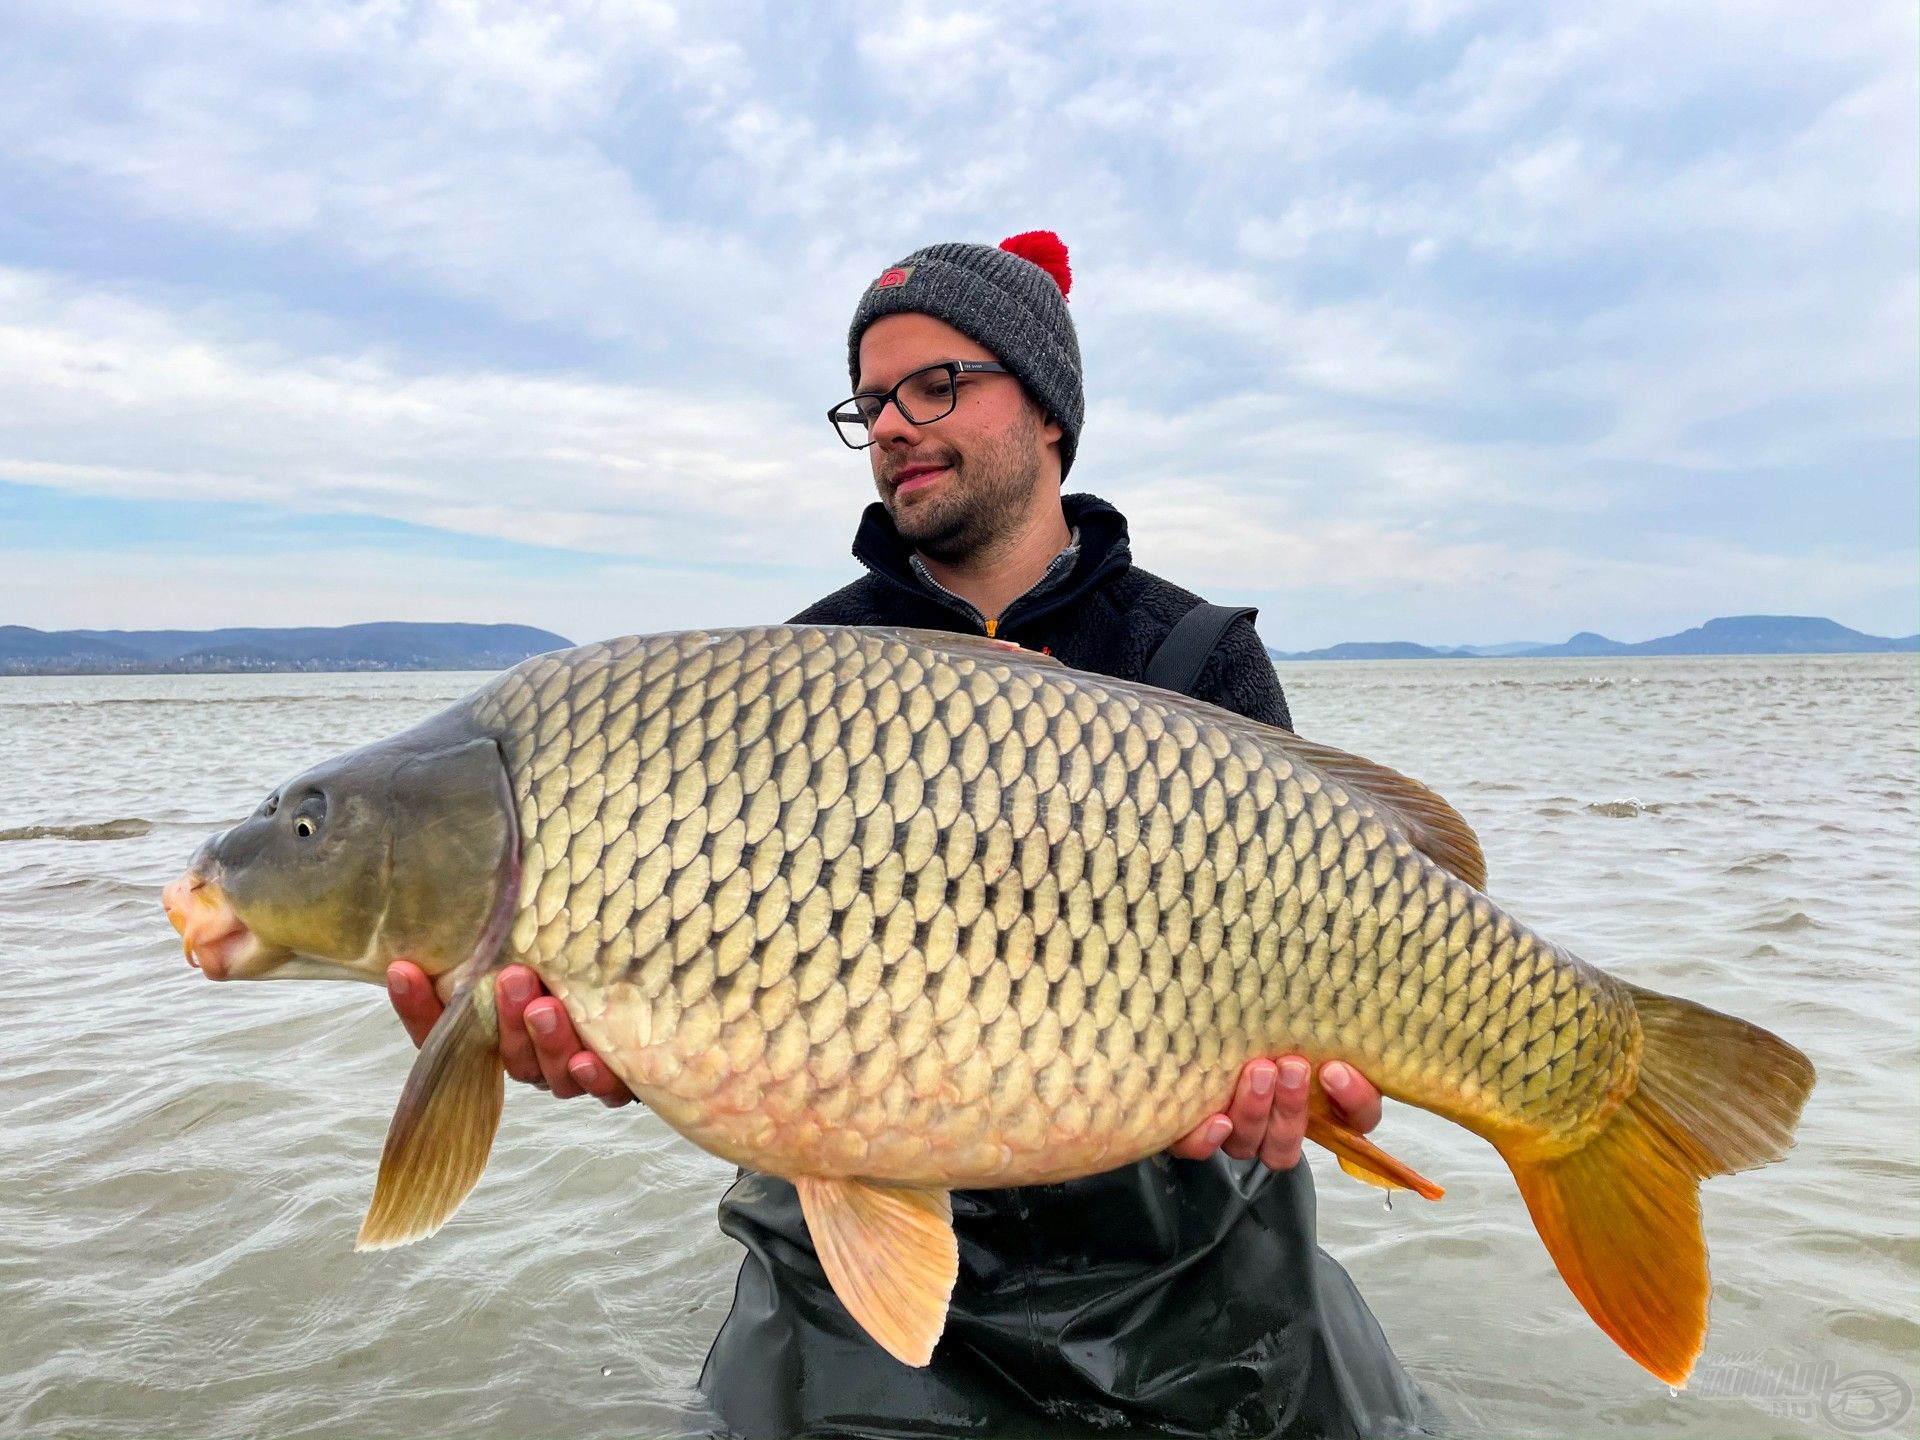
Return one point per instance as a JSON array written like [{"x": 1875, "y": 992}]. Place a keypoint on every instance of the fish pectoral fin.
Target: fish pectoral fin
[
  {"x": 1362, "y": 1159},
  {"x": 442, "y": 1129},
  {"x": 890, "y": 1255}
]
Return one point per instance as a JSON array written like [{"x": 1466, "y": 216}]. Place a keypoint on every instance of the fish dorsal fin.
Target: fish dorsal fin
[
  {"x": 890, "y": 1255},
  {"x": 1430, "y": 824},
  {"x": 981, "y": 647}
]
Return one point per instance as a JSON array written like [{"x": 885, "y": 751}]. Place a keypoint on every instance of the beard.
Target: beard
[{"x": 982, "y": 504}]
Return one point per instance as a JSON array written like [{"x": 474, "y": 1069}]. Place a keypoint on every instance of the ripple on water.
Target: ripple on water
[
  {"x": 127, "y": 829},
  {"x": 1791, "y": 923},
  {"x": 1898, "y": 1333},
  {"x": 1759, "y": 864},
  {"x": 1624, "y": 809}
]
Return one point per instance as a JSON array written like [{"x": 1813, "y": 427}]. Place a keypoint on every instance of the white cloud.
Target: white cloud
[
  {"x": 110, "y": 397},
  {"x": 1266, "y": 549},
  {"x": 1431, "y": 289}
]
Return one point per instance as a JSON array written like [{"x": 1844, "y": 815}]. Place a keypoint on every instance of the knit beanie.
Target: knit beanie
[{"x": 1011, "y": 298}]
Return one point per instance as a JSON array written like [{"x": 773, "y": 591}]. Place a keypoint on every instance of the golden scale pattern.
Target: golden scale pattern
[{"x": 859, "y": 902}]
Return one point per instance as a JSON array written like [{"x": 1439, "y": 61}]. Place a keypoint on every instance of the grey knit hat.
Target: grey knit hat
[{"x": 1011, "y": 298}]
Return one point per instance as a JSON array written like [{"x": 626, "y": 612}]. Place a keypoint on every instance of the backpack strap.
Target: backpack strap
[{"x": 1177, "y": 662}]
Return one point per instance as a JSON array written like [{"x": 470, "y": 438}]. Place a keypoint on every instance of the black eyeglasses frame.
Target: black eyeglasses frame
[{"x": 847, "y": 412}]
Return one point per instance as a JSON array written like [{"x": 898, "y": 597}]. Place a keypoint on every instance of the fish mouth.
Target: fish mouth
[{"x": 216, "y": 940}]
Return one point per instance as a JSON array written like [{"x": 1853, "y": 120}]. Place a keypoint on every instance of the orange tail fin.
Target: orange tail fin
[{"x": 1621, "y": 1215}]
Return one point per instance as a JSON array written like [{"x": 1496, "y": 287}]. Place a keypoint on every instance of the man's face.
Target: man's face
[{"x": 956, "y": 486}]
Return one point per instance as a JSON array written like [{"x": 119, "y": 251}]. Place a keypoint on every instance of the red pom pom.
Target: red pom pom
[{"x": 1045, "y": 249}]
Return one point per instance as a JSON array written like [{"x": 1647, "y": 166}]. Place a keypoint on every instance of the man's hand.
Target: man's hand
[
  {"x": 1268, "y": 1116},
  {"x": 537, "y": 1043}
]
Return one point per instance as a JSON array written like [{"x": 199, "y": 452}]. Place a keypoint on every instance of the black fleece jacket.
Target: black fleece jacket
[{"x": 1106, "y": 615}]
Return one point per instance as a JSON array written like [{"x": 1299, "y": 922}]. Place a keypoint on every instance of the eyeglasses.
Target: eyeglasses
[{"x": 922, "y": 398}]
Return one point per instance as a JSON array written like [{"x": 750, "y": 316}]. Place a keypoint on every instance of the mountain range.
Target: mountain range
[
  {"x": 1729, "y": 635},
  {"x": 399, "y": 645},
  {"x": 389, "y": 645}
]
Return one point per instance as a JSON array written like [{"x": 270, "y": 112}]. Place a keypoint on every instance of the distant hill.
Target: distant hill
[
  {"x": 1377, "y": 650},
  {"x": 1587, "y": 644},
  {"x": 1729, "y": 635},
  {"x": 1745, "y": 635},
  {"x": 389, "y": 645},
  {"x": 1511, "y": 647}
]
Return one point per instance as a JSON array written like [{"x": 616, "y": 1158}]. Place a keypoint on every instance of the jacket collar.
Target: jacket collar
[{"x": 1104, "y": 554}]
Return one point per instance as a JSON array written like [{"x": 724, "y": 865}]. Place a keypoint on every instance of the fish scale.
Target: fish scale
[{"x": 972, "y": 919}]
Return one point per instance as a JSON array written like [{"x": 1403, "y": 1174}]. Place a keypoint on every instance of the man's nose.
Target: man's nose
[{"x": 892, "y": 428}]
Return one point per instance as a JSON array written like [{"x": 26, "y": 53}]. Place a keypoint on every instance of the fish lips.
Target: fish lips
[{"x": 216, "y": 940}]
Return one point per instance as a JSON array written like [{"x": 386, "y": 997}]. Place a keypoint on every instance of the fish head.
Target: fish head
[{"x": 405, "y": 849}]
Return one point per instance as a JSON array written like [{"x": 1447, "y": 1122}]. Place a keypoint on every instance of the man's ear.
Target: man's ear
[
  {"x": 1053, "y": 438},
  {"x": 1050, "y": 431}
]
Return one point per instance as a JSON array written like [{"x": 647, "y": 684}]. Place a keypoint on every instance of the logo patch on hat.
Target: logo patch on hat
[{"x": 897, "y": 276}]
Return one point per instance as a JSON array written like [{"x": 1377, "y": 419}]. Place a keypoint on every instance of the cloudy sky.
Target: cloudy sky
[{"x": 1444, "y": 321}]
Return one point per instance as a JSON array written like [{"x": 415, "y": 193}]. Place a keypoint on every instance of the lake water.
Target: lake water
[{"x": 183, "y": 1166}]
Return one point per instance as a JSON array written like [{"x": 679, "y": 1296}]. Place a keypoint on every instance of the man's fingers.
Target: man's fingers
[
  {"x": 1252, "y": 1103},
  {"x": 554, "y": 1044},
  {"x": 413, "y": 999},
  {"x": 591, "y": 1074},
  {"x": 516, "y": 987},
  {"x": 537, "y": 1040},
  {"x": 1287, "y": 1125},
  {"x": 538, "y": 1043},
  {"x": 1200, "y": 1142},
  {"x": 1277, "y": 1152},
  {"x": 1351, "y": 1095}
]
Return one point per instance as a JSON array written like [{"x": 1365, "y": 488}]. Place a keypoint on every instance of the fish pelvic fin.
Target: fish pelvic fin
[
  {"x": 891, "y": 1256},
  {"x": 1621, "y": 1214},
  {"x": 442, "y": 1129}
]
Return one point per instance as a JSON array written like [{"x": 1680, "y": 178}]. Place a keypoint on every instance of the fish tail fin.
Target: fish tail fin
[
  {"x": 1621, "y": 1214},
  {"x": 442, "y": 1129}
]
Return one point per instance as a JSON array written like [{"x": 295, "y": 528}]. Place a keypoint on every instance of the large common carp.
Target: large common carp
[{"x": 894, "y": 912}]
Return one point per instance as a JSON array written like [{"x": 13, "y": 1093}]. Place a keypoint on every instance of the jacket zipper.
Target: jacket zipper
[
  {"x": 990, "y": 626},
  {"x": 943, "y": 595},
  {"x": 925, "y": 584}
]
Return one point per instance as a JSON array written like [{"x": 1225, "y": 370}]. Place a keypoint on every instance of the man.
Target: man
[{"x": 1184, "y": 1293}]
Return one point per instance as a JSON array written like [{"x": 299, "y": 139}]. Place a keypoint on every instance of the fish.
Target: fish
[{"x": 891, "y": 913}]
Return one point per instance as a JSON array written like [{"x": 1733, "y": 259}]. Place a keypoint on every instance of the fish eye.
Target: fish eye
[{"x": 309, "y": 814}]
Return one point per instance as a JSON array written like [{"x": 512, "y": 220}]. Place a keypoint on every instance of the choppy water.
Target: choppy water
[{"x": 183, "y": 1167}]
